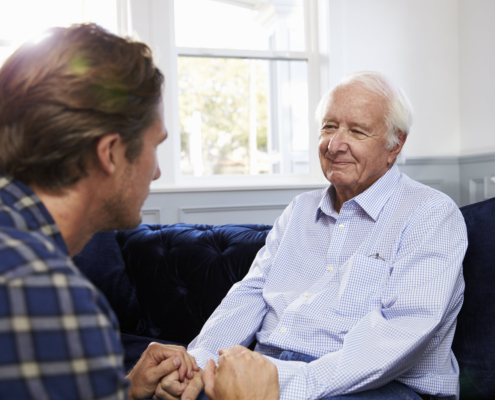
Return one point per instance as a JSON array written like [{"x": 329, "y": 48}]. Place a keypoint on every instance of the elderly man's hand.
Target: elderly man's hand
[
  {"x": 241, "y": 375},
  {"x": 157, "y": 361},
  {"x": 171, "y": 387}
]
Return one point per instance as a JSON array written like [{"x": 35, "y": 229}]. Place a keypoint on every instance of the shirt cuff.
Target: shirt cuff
[
  {"x": 292, "y": 379},
  {"x": 202, "y": 356}
]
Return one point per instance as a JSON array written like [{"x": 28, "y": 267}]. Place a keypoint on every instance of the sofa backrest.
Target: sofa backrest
[
  {"x": 474, "y": 341},
  {"x": 182, "y": 272},
  {"x": 101, "y": 261}
]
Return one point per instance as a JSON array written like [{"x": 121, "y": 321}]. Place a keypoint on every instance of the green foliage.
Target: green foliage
[{"x": 219, "y": 89}]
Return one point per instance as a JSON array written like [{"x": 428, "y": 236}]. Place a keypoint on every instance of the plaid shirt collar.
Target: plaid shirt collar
[
  {"x": 15, "y": 195},
  {"x": 371, "y": 200}
]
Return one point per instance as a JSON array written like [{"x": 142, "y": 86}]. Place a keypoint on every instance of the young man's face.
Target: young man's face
[{"x": 126, "y": 204}]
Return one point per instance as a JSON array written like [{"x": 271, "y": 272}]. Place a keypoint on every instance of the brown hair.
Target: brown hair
[{"x": 58, "y": 96}]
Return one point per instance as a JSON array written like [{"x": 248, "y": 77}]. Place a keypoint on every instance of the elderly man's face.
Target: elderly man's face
[{"x": 353, "y": 139}]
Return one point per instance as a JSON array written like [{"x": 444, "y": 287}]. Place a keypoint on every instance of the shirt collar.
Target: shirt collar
[
  {"x": 374, "y": 198},
  {"x": 326, "y": 203},
  {"x": 371, "y": 200},
  {"x": 18, "y": 196}
]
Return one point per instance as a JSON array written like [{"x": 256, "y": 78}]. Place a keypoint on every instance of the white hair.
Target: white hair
[{"x": 399, "y": 116}]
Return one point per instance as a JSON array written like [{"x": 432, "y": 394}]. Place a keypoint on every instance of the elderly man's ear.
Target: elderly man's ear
[{"x": 398, "y": 147}]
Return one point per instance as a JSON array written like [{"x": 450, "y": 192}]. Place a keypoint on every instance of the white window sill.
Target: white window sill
[{"x": 197, "y": 185}]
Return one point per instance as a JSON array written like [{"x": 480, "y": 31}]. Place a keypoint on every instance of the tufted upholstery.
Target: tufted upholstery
[
  {"x": 182, "y": 272},
  {"x": 474, "y": 342},
  {"x": 164, "y": 281}
]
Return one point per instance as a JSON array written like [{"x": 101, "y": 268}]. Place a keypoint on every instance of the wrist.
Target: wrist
[{"x": 131, "y": 395}]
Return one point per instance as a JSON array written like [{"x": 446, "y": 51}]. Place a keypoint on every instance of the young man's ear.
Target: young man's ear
[{"x": 108, "y": 152}]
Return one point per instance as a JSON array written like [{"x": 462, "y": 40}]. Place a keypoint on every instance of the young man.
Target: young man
[{"x": 80, "y": 120}]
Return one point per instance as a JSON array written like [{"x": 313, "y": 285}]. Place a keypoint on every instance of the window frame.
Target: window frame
[{"x": 153, "y": 21}]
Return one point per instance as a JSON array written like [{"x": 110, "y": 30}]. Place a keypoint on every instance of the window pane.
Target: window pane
[
  {"x": 224, "y": 24},
  {"x": 241, "y": 116},
  {"x": 21, "y": 20}
]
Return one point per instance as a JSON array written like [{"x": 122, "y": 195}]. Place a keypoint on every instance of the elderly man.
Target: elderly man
[
  {"x": 80, "y": 120},
  {"x": 356, "y": 292}
]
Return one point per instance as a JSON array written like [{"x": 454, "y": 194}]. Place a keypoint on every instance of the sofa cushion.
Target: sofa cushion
[
  {"x": 182, "y": 272},
  {"x": 474, "y": 341},
  {"x": 101, "y": 261}
]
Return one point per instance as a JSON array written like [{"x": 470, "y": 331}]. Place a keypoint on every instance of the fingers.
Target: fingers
[
  {"x": 236, "y": 350},
  {"x": 167, "y": 367},
  {"x": 209, "y": 378},
  {"x": 161, "y": 394},
  {"x": 196, "y": 366},
  {"x": 194, "y": 388},
  {"x": 187, "y": 362},
  {"x": 170, "y": 387},
  {"x": 186, "y": 368}
]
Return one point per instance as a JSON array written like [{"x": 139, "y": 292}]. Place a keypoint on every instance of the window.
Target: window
[
  {"x": 242, "y": 87},
  {"x": 242, "y": 81},
  {"x": 27, "y": 19}
]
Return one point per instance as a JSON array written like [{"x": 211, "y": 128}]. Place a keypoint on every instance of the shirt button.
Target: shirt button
[
  {"x": 306, "y": 294},
  {"x": 283, "y": 329},
  {"x": 330, "y": 268},
  {"x": 341, "y": 226}
]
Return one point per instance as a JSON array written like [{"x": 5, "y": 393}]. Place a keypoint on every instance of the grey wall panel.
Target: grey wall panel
[
  {"x": 439, "y": 173},
  {"x": 222, "y": 215},
  {"x": 222, "y": 207},
  {"x": 150, "y": 216},
  {"x": 476, "y": 183}
]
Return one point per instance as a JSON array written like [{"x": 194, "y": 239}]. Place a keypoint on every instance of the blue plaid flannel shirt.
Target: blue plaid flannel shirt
[
  {"x": 372, "y": 292},
  {"x": 58, "y": 335}
]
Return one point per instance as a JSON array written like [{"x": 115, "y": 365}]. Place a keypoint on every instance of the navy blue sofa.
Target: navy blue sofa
[{"x": 164, "y": 281}]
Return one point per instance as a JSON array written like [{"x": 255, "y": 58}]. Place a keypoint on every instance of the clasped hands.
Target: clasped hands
[{"x": 240, "y": 375}]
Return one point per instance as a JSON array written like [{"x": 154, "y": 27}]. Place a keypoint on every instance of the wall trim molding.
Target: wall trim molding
[
  {"x": 442, "y": 160},
  {"x": 449, "y": 160},
  {"x": 477, "y": 158},
  {"x": 184, "y": 211},
  {"x": 151, "y": 214},
  {"x": 244, "y": 188},
  {"x": 435, "y": 183}
]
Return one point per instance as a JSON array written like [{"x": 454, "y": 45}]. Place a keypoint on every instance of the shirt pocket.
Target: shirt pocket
[{"x": 362, "y": 280}]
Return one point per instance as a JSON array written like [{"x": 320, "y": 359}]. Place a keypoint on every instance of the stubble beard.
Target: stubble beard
[{"x": 118, "y": 213}]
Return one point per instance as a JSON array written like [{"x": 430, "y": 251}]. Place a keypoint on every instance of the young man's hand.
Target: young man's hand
[
  {"x": 157, "y": 361},
  {"x": 171, "y": 388},
  {"x": 241, "y": 375}
]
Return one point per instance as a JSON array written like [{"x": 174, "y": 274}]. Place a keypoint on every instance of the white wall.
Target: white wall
[
  {"x": 415, "y": 42},
  {"x": 441, "y": 52},
  {"x": 477, "y": 75}
]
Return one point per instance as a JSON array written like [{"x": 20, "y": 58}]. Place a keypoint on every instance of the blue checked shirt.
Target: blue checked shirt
[
  {"x": 58, "y": 335},
  {"x": 373, "y": 292}
]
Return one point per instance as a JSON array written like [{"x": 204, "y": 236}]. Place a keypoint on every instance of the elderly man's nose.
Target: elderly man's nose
[{"x": 337, "y": 142}]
